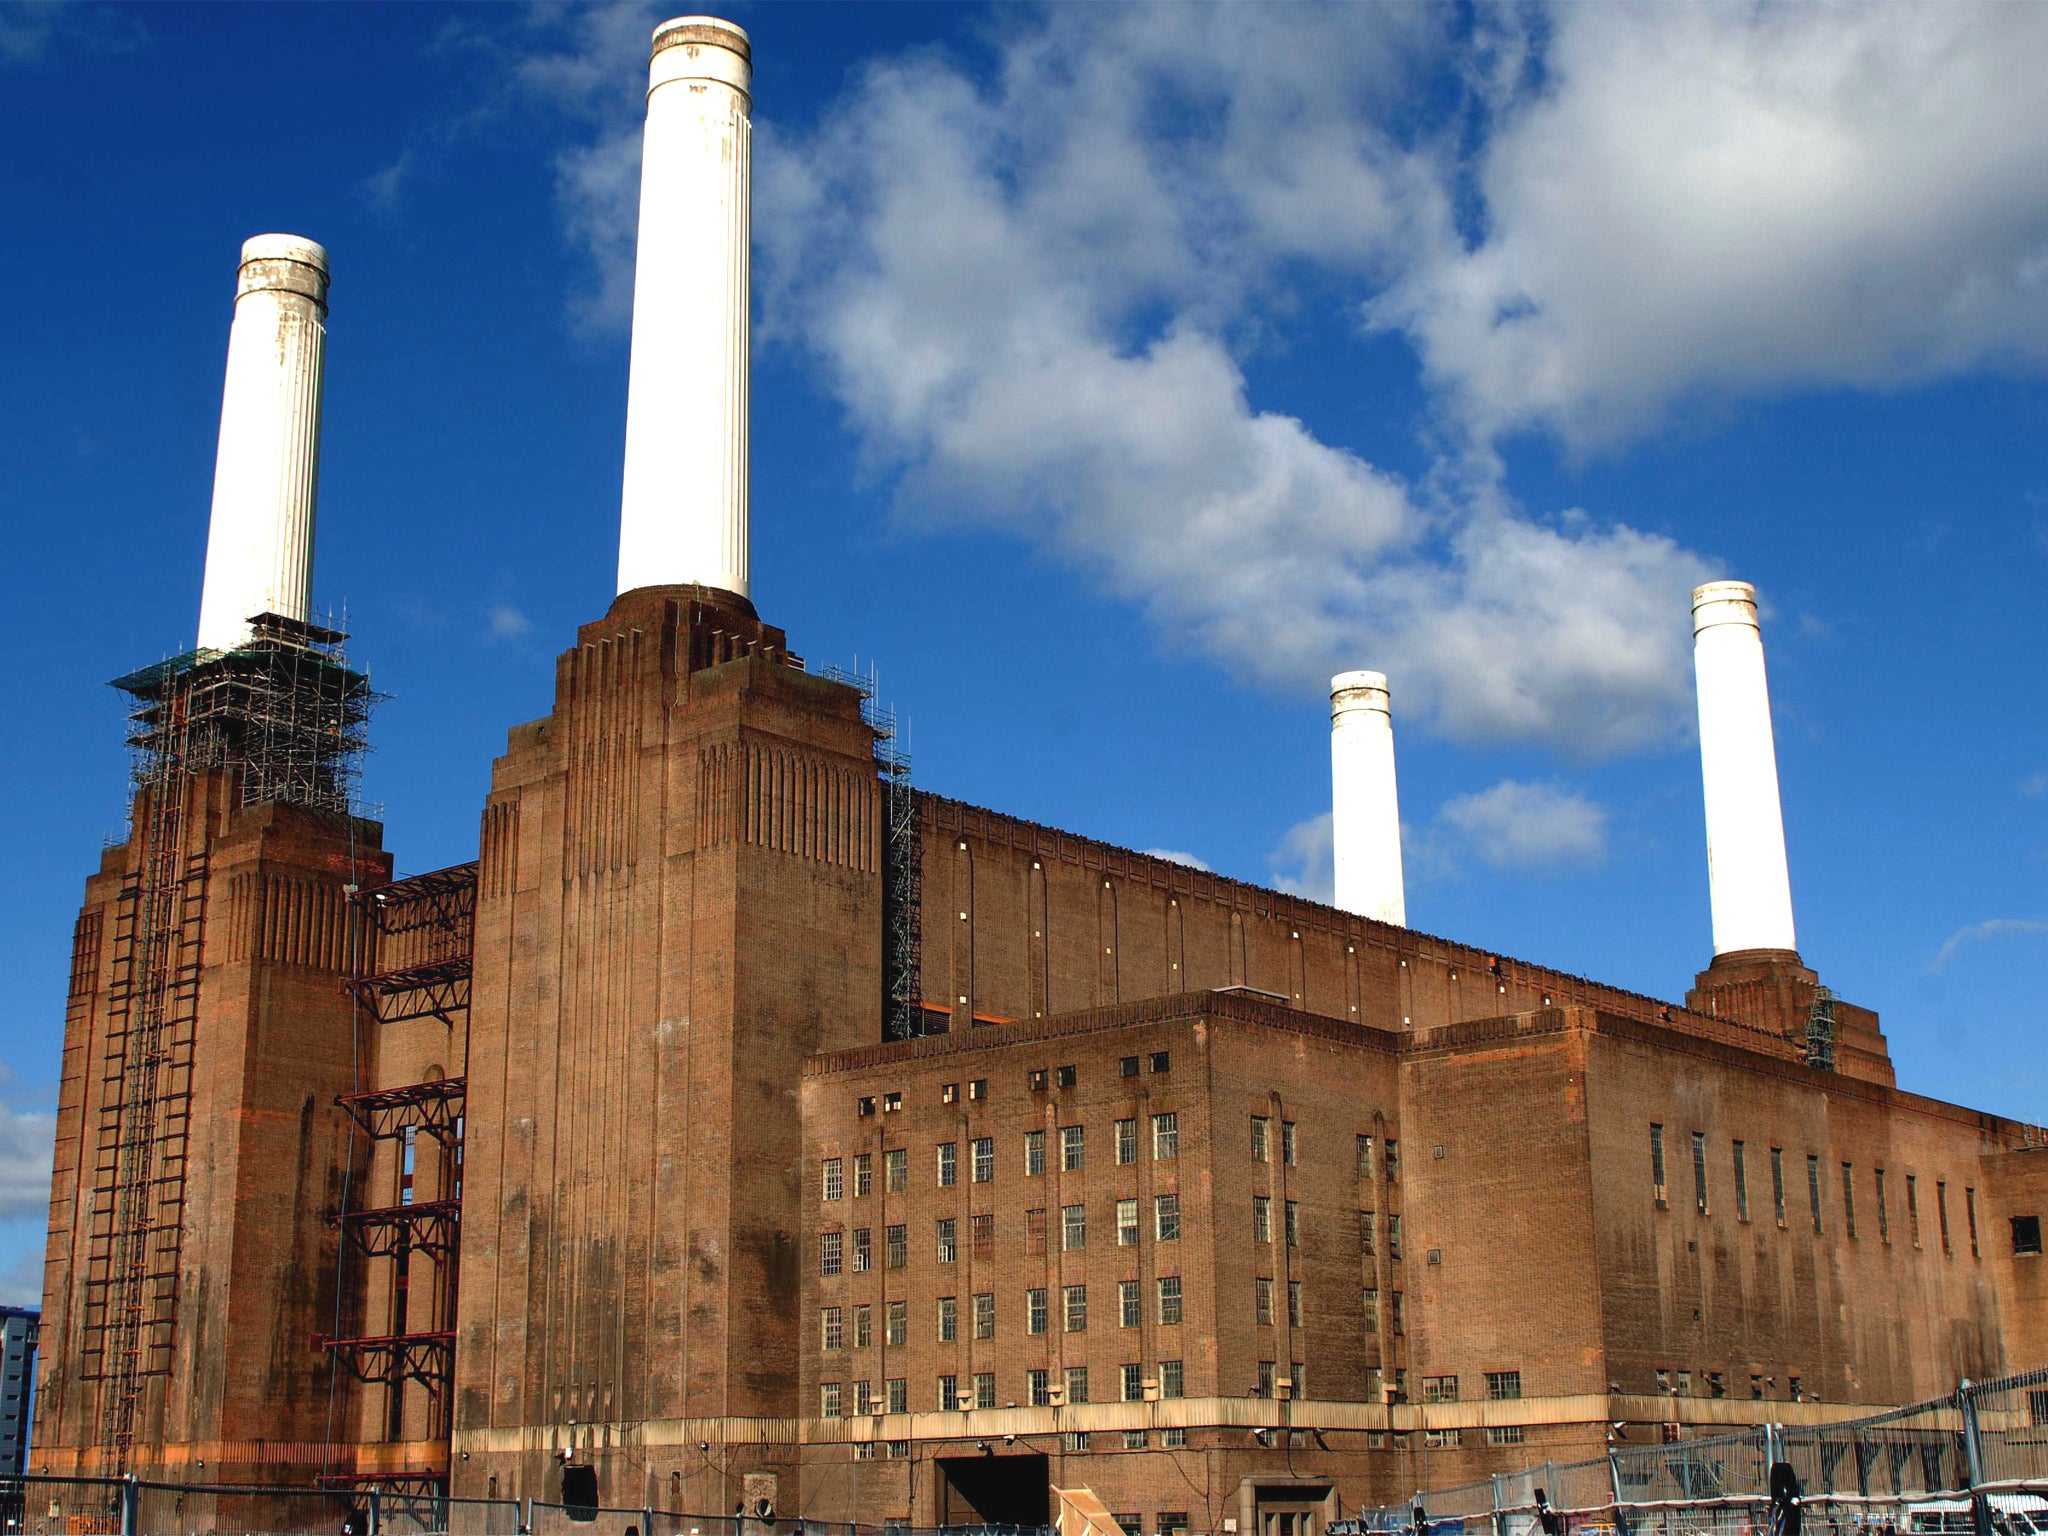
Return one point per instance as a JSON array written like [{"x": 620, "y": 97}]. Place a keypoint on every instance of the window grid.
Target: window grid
[
  {"x": 1166, "y": 1218},
  {"x": 1169, "y": 1300}
]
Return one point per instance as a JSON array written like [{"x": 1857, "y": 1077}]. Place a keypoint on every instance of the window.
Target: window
[
  {"x": 1165, "y": 1137},
  {"x": 829, "y": 1328},
  {"x": 1126, "y": 1223},
  {"x": 1265, "y": 1386},
  {"x": 1741, "y": 1185},
  {"x": 863, "y": 1250},
  {"x": 1034, "y": 1230},
  {"x": 949, "y": 1394},
  {"x": 984, "y": 1389},
  {"x": 1365, "y": 1157},
  {"x": 1371, "y": 1297},
  {"x": 1174, "y": 1439},
  {"x": 1699, "y": 1172},
  {"x": 1034, "y": 1153},
  {"x": 896, "y": 1240},
  {"x": 1065, "y": 1077},
  {"x": 1040, "y": 1080},
  {"x": 1172, "y": 1522},
  {"x": 1127, "y": 1066},
  {"x": 828, "y": 1252},
  {"x": 1287, "y": 1142},
  {"x": 1368, "y": 1221},
  {"x": 866, "y": 1105},
  {"x": 832, "y": 1182},
  {"x": 1126, "y": 1141},
  {"x": 1884, "y": 1215},
  {"x": 891, "y": 1102},
  {"x": 2026, "y": 1234},
  {"x": 1504, "y": 1434},
  {"x": 828, "y": 1399},
  {"x": 1260, "y": 1123},
  {"x": 1443, "y": 1439},
  {"x": 1970, "y": 1208},
  {"x": 984, "y": 1148},
  {"x": 1298, "y": 1379},
  {"x": 1849, "y": 1198},
  {"x": 898, "y": 1389},
  {"x": 1162, "y": 1061},
  {"x": 897, "y": 1324},
  {"x": 1173, "y": 1379},
  {"x": 1262, "y": 1219},
  {"x": 1657, "y": 1164},
  {"x": 1391, "y": 1160},
  {"x": 949, "y": 1319},
  {"x": 984, "y": 1229},
  {"x": 1400, "y": 1384},
  {"x": 1503, "y": 1386},
  {"x": 864, "y": 1403},
  {"x": 1075, "y": 1300},
  {"x": 949, "y": 1169},
  {"x": 1778, "y": 1183},
  {"x": 949, "y": 1093},
  {"x": 1130, "y": 1385},
  {"x": 1394, "y": 1313},
  {"x": 1166, "y": 1218},
  {"x": 985, "y": 1316},
  {"x": 1262, "y": 1301},
  {"x": 863, "y": 1175},
  {"x": 1073, "y": 1148},
  {"x": 949, "y": 1244},
  {"x": 1038, "y": 1387},
  {"x": 1073, "y": 1227},
  {"x": 1913, "y": 1209},
  {"x": 1941, "y": 1211},
  {"x": 1439, "y": 1389},
  {"x": 1169, "y": 1298},
  {"x": 1077, "y": 1392},
  {"x": 1813, "y": 1188},
  {"x": 1294, "y": 1303},
  {"x": 978, "y": 1088},
  {"x": 1034, "y": 1310},
  {"x": 1393, "y": 1234},
  {"x": 896, "y": 1170}
]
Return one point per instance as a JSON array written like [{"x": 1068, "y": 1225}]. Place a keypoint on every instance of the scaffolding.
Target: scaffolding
[
  {"x": 285, "y": 716},
  {"x": 1820, "y": 1030},
  {"x": 902, "y": 866},
  {"x": 419, "y": 946}
]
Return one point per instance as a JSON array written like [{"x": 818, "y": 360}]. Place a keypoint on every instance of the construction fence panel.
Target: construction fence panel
[
  {"x": 179, "y": 1509},
  {"x": 2012, "y": 1431}
]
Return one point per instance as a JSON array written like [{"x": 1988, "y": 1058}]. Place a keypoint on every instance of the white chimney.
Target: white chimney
[
  {"x": 259, "y": 547},
  {"x": 1365, "y": 812},
  {"x": 1751, "y": 889},
  {"x": 683, "y": 517}
]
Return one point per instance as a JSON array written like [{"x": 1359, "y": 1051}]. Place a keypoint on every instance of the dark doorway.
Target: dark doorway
[{"x": 994, "y": 1490}]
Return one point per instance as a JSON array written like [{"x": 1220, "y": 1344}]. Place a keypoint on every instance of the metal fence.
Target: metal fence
[
  {"x": 1971, "y": 1464},
  {"x": 40, "y": 1505}
]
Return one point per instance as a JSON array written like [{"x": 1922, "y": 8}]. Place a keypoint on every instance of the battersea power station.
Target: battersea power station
[{"x": 743, "y": 1126}]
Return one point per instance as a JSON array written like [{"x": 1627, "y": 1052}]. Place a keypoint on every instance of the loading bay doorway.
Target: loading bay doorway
[{"x": 995, "y": 1490}]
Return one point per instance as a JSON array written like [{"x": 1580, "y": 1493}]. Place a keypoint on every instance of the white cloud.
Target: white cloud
[
  {"x": 2034, "y": 785},
  {"x": 508, "y": 622},
  {"x": 27, "y": 1141},
  {"x": 21, "y": 1282},
  {"x": 1990, "y": 928},
  {"x": 1304, "y": 864},
  {"x": 1697, "y": 200},
  {"x": 1529, "y": 826},
  {"x": 1174, "y": 856}
]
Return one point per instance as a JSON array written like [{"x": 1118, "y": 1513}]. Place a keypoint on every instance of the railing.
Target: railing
[
  {"x": 1974, "y": 1463},
  {"x": 40, "y": 1505}
]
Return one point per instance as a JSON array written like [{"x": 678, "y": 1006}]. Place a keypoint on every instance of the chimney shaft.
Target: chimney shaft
[
  {"x": 1746, "y": 872},
  {"x": 259, "y": 546},
  {"x": 683, "y": 515},
  {"x": 1365, "y": 812}
]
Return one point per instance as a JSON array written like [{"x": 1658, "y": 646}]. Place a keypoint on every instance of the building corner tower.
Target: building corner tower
[
  {"x": 679, "y": 899},
  {"x": 206, "y": 1038}
]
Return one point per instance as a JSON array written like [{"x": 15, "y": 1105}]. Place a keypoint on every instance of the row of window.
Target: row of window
[
  {"x": 835, "y": 1252},
  {"x": 1715, "y": 1384},
  {"x": 1501, "y": 1387},
  {"x": 1167, "y": 1294},
  {"x": 981, "y": 1150},
  {"x": 1073, "y": 1154},
  {"x": 1739, "y": 1164},
  {"x": 1039, "y": 1079},
  {"x": 839, "y": 1399}
]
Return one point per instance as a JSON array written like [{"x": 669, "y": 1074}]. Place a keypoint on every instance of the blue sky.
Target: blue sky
[{"x": 1120, "y": 374}]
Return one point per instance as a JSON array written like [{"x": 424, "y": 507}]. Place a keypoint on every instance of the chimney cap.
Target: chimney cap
[
  {"x": 1359, "y": 690},
  {"x": 1723, "y": 602},
  {"x": 308, "y": 253},
  {"x": 713, "y": 31},
  {"x": 290, "y": 263}
]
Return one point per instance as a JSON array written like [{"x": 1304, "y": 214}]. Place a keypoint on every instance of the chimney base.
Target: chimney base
[{"x": 1769, "y": 989}]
